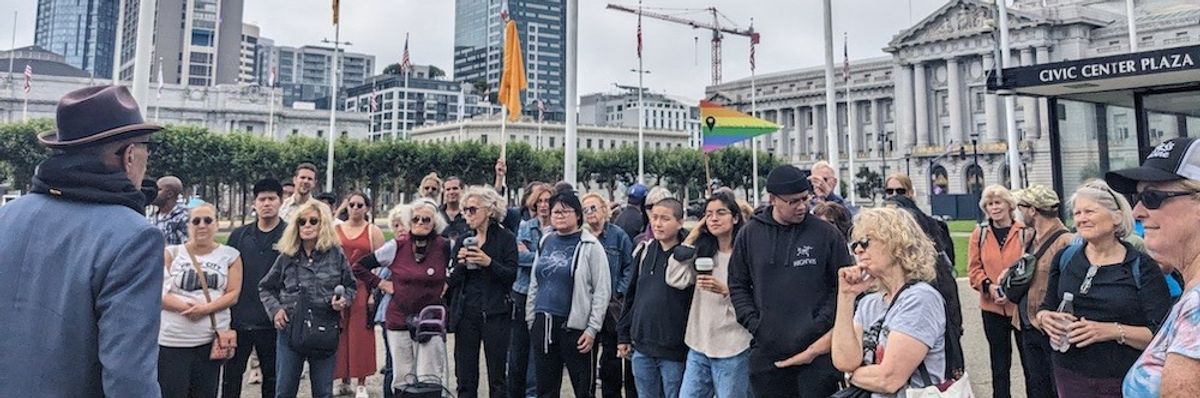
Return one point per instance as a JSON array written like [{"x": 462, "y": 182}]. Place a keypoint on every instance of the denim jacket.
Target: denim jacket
[
  {"x": 530, "y": 234},
  {"x": 619, "y": 250}
]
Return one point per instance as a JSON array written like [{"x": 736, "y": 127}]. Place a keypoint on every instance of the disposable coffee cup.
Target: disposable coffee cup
[{"x": 704, "y": 265}]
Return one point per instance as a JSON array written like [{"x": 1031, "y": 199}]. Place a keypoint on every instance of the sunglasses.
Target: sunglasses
[
  {"x": 563, "y": 212},
  {"x": 896, "y": 191},
  {"x": 590, "y": 209},
  {"x": 470, "y": 210},
  {"x": 422, "y": 220},
  {"x": 308, "y": 221},
  {"x": 356, "y": 205},
  {"x": 429, "y": 189},
  {"x": 1154, "y": 199},
  {"x": 863, "y": 243},
  {"x": 206, "y": 220}
]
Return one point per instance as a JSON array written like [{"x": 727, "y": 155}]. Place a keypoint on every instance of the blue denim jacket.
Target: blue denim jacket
[
  {"x": 530, "y": 233},
  {"x": 619, "y": 249}
]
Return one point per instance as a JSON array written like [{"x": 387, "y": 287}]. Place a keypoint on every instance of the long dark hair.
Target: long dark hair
[{"x": 707, "y": 245}]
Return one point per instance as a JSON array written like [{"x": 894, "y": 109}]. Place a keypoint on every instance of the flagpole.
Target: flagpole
[
  {"x": 541, "y": 120},
  {"x": 405, "y": 118},
  {"x": 641, "y": 105},
  {"x": 333, "y": 95},
  {"x": 25, "y": 108},
  {"x": 271, "y": 114},
  {"x": 503, "y": 132},
  {"x": 570, "y": 157},
  {"x": 1133, "y": 41},
  {"x": 831, "y": 123},
  {"x": 754, "y": 113},
  {"x": 850, "y": 118},
  {"x": 1010, "y": 103}
]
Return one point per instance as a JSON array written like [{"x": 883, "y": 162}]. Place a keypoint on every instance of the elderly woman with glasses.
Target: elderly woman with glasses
[
  {"x": 1167, "y": 192},
  {"x": 482, "y": 270},
  {"x": 902, "y": 315},
  {"x": 356, "y": 351},
  {"x": 416, "y": 262},
  {"x": 430, "y": 188},
  {"x": 202, "y": 279},
  {"x": 1117, "y": 294},
  {"x": 302, "y": 289}
]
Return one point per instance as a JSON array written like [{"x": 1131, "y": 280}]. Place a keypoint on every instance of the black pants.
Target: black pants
[
  {"x": 187, "y": 372},
  {"x": 999, "y": 332},
  {"x": 1035, "y": 361},
  {"x": 519, "y": 372},
  {"x": 473, "y": 330},
  {"x": 554, "y": 347},
  {"x": 261, "y": 341},
  {"x": 818, "y": 379},
  {"x": 611, "y": 377}
]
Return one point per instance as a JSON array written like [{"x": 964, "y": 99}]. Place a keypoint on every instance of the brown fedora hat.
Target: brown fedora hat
[{"x": 95, "y": 115}]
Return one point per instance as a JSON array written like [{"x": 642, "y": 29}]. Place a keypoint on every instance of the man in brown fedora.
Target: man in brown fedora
[{"x": 81, "y": 269}]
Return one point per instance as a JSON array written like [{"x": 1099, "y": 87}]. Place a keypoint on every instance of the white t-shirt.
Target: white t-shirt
[{"x": 181, "y": 281}]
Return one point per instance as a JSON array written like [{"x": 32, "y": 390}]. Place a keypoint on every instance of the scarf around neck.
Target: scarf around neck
[{"x": 84, "y": 178}]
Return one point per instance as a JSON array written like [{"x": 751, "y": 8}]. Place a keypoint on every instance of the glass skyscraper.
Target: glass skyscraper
[
  {"x": 479, "y": 48},
  {"x": 82, "y": 31}
]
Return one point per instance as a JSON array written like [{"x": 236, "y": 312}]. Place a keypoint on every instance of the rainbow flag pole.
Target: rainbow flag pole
[{"x": 723, "y": 127}]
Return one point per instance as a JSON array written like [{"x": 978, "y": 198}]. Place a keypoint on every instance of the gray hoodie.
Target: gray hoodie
[{"x": 591, "y": 290}]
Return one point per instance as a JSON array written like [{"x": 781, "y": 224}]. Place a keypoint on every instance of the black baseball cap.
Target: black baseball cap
[{"x": 1174, "y": 159}]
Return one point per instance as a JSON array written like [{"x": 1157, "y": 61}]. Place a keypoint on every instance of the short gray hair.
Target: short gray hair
[
  {"x": 402, "y": 213},
  {"x": 439, "y": 221},
  {"x": 1098, "y": 191},
  {"x": 487, "y": 198}
]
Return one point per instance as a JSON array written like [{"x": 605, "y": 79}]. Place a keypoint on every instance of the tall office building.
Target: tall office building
[
  {"x": 248, "y": 61},
  {"x": 82, "y": 31},
  {"x": 198, "y": 41},
  {"x": 479, "y": 48},
  {"x": 265, "y": 61},
  {"x": 304, "y": 71}
]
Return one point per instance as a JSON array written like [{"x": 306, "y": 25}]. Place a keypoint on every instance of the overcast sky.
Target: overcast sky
[{"x": 791, "y": 34}]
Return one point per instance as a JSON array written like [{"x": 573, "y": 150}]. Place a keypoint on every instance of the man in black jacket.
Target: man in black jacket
[
  {"x": 651, "y": 329},
  {"x": 782, "y": 281},
  {"x": 255, "y": 331}
]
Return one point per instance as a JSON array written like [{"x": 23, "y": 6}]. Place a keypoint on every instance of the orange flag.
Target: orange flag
[{"x": 512, "y": 77}]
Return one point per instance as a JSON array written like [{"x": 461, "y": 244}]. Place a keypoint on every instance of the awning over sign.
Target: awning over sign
[{"x": 1178, "y": 66}]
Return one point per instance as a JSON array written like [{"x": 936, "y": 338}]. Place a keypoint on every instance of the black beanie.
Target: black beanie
[
  {"x": 568, "y": 199},
  {"x": 787, "y": 180},
  {"x": 268, "y": 185}
]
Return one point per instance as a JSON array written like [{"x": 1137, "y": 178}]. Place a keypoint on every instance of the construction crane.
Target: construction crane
[{"x": 715, "y": 27}]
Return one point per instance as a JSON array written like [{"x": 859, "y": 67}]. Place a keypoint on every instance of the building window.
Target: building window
[
  {"x": 589, "y": 143},
  {"x": 980, "y": 96},
  {"x": 552, "y": 142}
]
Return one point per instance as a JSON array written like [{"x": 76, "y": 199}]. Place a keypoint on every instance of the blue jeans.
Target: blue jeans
[
  {"x": 288, "y": 366},
  {"x": 656, "y": 377},
  {"x": 725, "y": 377}
]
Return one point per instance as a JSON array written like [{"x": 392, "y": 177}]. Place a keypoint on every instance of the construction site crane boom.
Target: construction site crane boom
[{"x": 715, "y": 27}]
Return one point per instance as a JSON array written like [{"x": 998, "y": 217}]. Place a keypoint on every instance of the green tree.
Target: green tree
[{"x": 20, "y": 152}]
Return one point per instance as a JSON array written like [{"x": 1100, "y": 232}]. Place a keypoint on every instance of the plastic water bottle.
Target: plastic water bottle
[{"x": 1067, "y": 306}]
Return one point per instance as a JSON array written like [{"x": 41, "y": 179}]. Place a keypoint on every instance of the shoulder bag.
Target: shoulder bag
[{"x": 224, "y": 341}]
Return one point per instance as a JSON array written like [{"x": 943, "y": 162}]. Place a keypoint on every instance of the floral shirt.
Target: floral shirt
[
  {"x": 173, "y": 225},
  {"x": 1179, "y": 334}
]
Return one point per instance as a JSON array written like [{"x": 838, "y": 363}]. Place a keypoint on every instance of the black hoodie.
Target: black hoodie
[
  {"x": 656, "y": 314},
  {"x": 783, "y": 283}
]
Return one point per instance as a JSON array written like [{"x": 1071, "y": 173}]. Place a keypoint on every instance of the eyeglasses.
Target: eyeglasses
[
  {"x": 590, "y": 209},
  {"x": 718, "y": 213},
  {"x": 308, "y": 221},
  {"x": 422, "y": 220},
  {"x": 150, "y": 146},
  {"x": 206, "y": 220},
  {"x": 429, "y": 189},
  {"x": 562, "y": 212},
  {"x": 1087, "y": 280},
  {"x": 1154, "y": 199},
  {"x": 356, "y": 205},
  {"x": 896, "y": 191},
  {"x": 863, "y": 243},
  {"x": 471, "y": 210},
  {"x": 797, "y": 201}
]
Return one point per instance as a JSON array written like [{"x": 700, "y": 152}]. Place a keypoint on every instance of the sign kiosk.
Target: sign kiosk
[{"x": 1109, "y": 112}]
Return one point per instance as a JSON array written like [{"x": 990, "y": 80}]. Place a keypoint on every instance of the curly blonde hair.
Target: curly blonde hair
[
  {"x": 903, "y": 239},
  {"x": 327, "y": 238}
]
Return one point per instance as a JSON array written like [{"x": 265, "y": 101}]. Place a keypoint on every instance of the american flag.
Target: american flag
[
  {"x": 639, "y": 30},
  {"x": 846, "y": 57},
  {"x": 753, "y": 43},
  {"x": 28, "y": 78},
  {"x": 405, "y": 63},
  {"x": 541, "y": 110},
  {"x": 504, "y": 11},
  {"x": 272, "y": 76},
  {"x": 160, "y": 79}
]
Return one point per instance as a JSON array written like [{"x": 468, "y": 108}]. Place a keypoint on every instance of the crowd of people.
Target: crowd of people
[{"x": 799, "y": 297}]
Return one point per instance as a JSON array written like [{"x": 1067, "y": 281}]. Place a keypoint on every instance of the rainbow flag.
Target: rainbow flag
[{"x": 723, "y": 126}]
